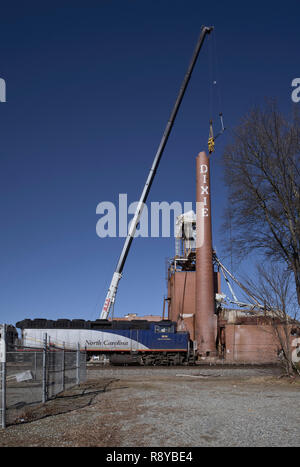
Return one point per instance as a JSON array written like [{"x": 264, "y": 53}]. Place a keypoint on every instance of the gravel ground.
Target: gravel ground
[{"x": 166, "y": 407}]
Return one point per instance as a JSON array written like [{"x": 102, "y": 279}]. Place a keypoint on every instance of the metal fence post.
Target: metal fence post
[
  {"x": 78, "y": 364},
  {"x": 3, "y": 374},
  {"x": 35, "y": 366},
  {"x": 63, "y": 368},
  {"x": 44, "y": 396},
  {"x": 3, "y": 402}
]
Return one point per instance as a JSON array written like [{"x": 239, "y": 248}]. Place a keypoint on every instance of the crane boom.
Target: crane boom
[{"x": 111, "y": 294}]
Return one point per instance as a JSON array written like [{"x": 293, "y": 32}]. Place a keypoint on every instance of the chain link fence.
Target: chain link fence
[{"x": 30, "y": 376}]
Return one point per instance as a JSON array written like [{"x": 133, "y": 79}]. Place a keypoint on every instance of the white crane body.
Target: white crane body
[{"x": 112, "y": 291}]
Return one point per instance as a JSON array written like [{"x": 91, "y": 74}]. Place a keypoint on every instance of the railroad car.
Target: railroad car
[
  {"x": 11, "y": 336},
  {"x": 122, "y": 342}
]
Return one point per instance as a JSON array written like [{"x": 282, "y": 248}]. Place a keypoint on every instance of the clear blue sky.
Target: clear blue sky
[{"x": 90, "y": 86}]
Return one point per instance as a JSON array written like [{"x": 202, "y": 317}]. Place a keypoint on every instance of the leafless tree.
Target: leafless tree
[
  {"x": 262, "y": 173},
  {"x": 272, "y": 288}
]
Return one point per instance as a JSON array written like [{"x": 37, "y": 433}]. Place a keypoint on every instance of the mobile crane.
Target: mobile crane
[{"x": 112, "y": 291}]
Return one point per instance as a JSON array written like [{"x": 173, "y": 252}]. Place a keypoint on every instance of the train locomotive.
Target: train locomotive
[{"x": 122, "y": 342}]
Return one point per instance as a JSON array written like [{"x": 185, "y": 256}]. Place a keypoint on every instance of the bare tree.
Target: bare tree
[
  {"x": 262, "y": 172},
  {"x": 272, "y": 288}
]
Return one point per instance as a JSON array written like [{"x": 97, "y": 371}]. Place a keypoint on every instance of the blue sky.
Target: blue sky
[{"x": 90, "y": 86}]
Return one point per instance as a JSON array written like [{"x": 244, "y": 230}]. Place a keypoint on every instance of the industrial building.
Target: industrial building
[
  {"x": 195, "y": 300},
  {"x": 195, "y": 294}
]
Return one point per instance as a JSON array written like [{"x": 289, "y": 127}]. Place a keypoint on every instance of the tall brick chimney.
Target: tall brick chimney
[{"x": 205, "y": 300}]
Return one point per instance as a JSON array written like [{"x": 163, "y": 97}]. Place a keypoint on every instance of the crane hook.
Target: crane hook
[{"x": 212, "y": 138}]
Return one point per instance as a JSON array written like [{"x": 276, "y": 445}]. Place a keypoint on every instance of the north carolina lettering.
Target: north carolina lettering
[{"x": 108, "y": 343}]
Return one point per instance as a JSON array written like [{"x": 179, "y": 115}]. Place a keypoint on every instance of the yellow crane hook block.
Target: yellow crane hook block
[
  {"x": 211, "y": 144},
  {"x": 211, "y": 140}
]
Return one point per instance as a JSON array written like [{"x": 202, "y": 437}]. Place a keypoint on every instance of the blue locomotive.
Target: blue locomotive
[{"x": 122, "y": 342}]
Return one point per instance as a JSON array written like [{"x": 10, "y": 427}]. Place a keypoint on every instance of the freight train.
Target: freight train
[{"x": 122, "y": 342}]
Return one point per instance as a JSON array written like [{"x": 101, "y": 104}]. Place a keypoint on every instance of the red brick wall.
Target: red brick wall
[
  {"x": 181, "y": 290},
  {"x": 250, "y": 343}
]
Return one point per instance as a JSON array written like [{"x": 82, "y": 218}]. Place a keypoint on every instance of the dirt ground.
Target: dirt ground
[{"x": 165, "y": 407}]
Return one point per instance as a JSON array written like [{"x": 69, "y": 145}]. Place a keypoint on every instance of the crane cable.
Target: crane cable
[{"x": 213, "y": 66}]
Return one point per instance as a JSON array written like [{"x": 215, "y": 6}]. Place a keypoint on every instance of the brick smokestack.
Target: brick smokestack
[{"x": 205, "y": 301}]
